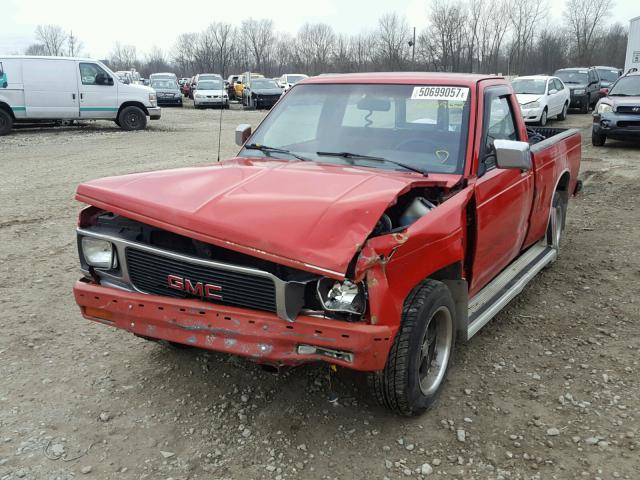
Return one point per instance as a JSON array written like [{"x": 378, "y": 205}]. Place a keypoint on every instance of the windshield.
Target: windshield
[
  {"x": 170, "y": 84},
  {"x": 529, "y": 86},
  {"x": 295, "y": 78},
  {"x": 572, "y": 76},
  {"x": 208, "y": 76},
  {"x": 421, "y": 126},
  {"x": 210, "y": 85},
  {"x": 263, "y": 84},
  {"x": 608, "y": 75},
  {"x": 626, "y": 86}
]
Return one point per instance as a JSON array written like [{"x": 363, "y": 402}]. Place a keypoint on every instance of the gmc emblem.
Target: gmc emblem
[
  {"x": 204, "y": 290},
  {"x": 636, "y": 109}
]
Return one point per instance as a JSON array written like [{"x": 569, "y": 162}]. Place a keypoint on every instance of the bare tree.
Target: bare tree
[
  {"x": 259, "y": 38},
  {"x": 584, "y": 18},
  {"x": 525, "y": 16},
  {"x": 393, "y": 37},
  {"x": 448, "y": 21},
  {"x": 223, "y": 35},
  {"x": 123, "y": 57},
  {"x": 184, "y": 53},
  {"x": 314, "y": 47},
  {"x": 53, "y": 38},
  {"x": 36, "y": 49}
]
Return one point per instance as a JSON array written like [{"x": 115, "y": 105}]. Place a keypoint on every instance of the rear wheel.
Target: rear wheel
[
  {"x": 132, "y": 118},
  {"x": 556, "y": 220},
  {"x": 419, "y": 359},
  {"x": 6, "y": 122},
  {"x": 598, "y": 139}
]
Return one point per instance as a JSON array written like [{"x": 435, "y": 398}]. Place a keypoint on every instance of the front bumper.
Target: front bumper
[
  {"x": 210, "y": 101},
  {"x": 266, "y": 101},
  {"x": 578, "y": 101},
  {"x": 170, "y": 100},
  {"x": 154, "y": 113},
  {"x": 622, "y": 126},
  {"x": 531, "y": 115},
  {"x": 260, "y": 336}
]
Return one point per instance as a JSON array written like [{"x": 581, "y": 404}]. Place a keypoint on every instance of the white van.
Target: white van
[{"x": 61, "y": 88}]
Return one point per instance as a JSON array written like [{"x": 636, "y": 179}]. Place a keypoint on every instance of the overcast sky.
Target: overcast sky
[{"x": 144, "y": 24}]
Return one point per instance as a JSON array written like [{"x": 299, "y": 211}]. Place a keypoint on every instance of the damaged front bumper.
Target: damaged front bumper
[{"x": 260, "y": 336}]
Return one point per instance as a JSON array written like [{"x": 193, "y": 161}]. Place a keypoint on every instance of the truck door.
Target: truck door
[
  {"x": 50, "y": 88},
  {"x": 503, "y": 197},
  {"x": 98, "y": 92}
]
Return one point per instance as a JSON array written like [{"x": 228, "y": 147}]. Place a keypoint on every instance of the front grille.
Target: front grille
[
  {"x": 149, "y": 273},
  {"x": 628, "y": 124},
  {"x": 628, "y": 109}
]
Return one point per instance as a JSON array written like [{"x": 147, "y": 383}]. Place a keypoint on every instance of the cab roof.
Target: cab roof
[
  {"x": 402, "y": 78},
  {"x": 46, "y": 57}
]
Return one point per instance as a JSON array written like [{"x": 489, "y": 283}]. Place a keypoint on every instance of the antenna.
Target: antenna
[{"x": 222, "y": 107}]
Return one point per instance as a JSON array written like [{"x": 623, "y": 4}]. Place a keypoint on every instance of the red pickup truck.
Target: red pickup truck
[{"x": 368, "y": 222}]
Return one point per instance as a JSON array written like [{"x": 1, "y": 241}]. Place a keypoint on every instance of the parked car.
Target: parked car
[
  {"x": 386, "y": 240},
  {"x": 584, "y": 84},
  {"x": 617, "y": 114},
  {"x": 210, "y": 93},
  {"x": 163, "y": 75},
  {"x": 64, "y": 88},
  {"x": 167, "y": 91},
  {"x": 288, "y": 80},
  {"x": 608, "y": 75},
  {"x": 261, "y": 93},
  {"x": 542, "y": 97}
]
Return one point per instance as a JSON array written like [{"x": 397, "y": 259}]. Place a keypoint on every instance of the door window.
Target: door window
[
  {"x": 499, "y": 125},
  {"x": 558, "y": 85},
  {"x": 92, "y": 74}
]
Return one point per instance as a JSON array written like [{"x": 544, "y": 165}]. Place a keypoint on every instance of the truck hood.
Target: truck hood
[{"x": 306, "y": 215}]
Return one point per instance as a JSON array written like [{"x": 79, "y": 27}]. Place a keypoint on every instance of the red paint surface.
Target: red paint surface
[{"x": 261, "y": 336}]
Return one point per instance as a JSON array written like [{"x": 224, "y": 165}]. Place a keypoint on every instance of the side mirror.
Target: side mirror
[
  {"x": 604, "y": 92},
  {"x": 552, "y": 91},
  {"x": 243, "y": 132},
  {"x": 512, "y": 155},
  {"x": 5, "y": 84}
]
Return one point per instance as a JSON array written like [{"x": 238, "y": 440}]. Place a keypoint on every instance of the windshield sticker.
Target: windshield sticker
[{"x": 440, "y": 93}]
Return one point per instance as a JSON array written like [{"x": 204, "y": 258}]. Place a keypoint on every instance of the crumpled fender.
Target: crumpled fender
[{"x": 393, "y": 264}]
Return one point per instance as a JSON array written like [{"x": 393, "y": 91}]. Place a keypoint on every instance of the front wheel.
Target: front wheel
[
  {"x": 419, "y": 359},
  {"x": 598, "y": 139},
  {"x": 563, "y": 114},
  {"x": 543, "y": 118},
  {"x": 6, "y": 122},
  {"x": 132, "y": 118}
]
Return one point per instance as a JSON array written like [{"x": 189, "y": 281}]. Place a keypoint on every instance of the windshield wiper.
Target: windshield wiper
[
  {"x": 569, "y": 81},
  {"x": 267, "y": 150},
  {"x": 369, "y": 157},
  {"x": 620, "y": 95}
]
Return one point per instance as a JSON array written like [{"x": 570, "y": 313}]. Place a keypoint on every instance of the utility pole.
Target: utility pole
[{"x": 412, "y": 44}]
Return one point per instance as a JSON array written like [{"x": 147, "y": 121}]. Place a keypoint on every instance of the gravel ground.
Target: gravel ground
[{"x": 548, "y": 390}]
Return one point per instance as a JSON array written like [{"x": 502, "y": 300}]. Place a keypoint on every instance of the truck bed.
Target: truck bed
[{"x": 545, "y": 136}]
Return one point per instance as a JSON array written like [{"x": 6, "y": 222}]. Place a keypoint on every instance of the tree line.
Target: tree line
[{"x": 512, "y": 37}]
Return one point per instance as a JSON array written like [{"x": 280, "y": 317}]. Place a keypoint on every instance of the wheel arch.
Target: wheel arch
[
  {"x": 5, "y": 106},
  {"x": 452, "y": 277},
  {"x": 133, "y": 103}
]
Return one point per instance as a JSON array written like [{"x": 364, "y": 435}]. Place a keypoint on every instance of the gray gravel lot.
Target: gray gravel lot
[{"x": 548, "y": 390}]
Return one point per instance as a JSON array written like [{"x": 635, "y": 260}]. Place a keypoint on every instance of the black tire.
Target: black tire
[
  {"x": 543, "y": 117},
  {"x": 132, "y": 118},
  {"x": 6, "y": 122},
  {"x": 117, "y": 122},
  {"x": 427, "y": 320},
  {"x": 584, "y": 108},
  {"x": 598, "y": 139},
  {"x": 563, "y": 115}
]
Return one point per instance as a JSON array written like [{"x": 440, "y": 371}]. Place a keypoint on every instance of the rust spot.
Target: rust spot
[
  {"x": 374, "y": 320},
  {"x": 372, "y": 282}
]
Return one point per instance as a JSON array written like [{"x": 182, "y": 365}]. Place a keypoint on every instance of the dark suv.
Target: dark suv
[
  {"x": 617, "y": 114},
  {"x": 584, "y": 84}
]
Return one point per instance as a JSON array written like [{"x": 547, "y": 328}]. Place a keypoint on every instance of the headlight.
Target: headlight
[
  {"x": 98, "y": 253},
  {"x": 345, "y": 297},
  {"x": 199, "y": 96},
  {"x": 605, "y": 108},
  {"x": 531, "y": 105},
  {"x": 153, "y": 99},
  {"x": 579, "y": 91}
]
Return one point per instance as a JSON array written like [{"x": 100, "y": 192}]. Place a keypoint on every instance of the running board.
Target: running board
[{"x": 501, "y": 290}]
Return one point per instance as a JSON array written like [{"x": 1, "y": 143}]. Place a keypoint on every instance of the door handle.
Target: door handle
[
  {"x": 73, "y": 95},
  {"x": 82, "y": 96}
]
